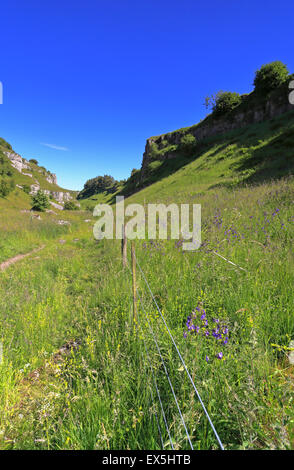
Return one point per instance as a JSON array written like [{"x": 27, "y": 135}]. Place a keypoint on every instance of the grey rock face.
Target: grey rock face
[
  {"x": 21, "y": 164},
  {"x": 52, "y": 179},
  {"x": 57, "y": 206},
  {"x": 60, "y": 196},
  {"x": 34, "y": 188},
  {"x": 272, "y": 108},
  {"x": 17, "y": 161}
]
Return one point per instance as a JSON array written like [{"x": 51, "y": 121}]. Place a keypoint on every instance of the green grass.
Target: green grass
[
  {"x": 35, "y": 170},
  {"x": 98, "y": 396},
  {"x": 249, "y": 155}
]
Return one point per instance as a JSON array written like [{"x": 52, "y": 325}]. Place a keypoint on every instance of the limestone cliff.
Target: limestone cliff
[
  {"x": 29, "y": 169},
  {"x": 253, "y": 109}
]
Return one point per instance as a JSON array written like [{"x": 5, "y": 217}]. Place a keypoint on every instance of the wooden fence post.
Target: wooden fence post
[
  {"x": 124, "y": 247},
  {"x": 134, "y": 282}
]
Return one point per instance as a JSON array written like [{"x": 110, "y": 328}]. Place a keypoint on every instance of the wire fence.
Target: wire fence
[{"x": 148, "y": 361}]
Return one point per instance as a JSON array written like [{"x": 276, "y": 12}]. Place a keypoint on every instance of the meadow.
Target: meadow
[{"x": 75, "y": 373}]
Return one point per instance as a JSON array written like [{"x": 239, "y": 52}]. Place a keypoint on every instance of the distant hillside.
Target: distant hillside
[{"x": 24, "y": 178}]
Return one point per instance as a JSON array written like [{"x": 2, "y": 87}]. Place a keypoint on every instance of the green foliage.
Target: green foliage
[
  {"x": 26, "y": 188},
  {"x": 270, "y": 76},
  {"x": 97, "y": 185},
  {"x": 153, "y": 150},
  {"x": 134, "y": 172},
  {"x": 225, "y": 101},
  {"x": 70, "y": 206},
  {"x": 6, "y": 187},
  {"x": 78, "y": 293},
  {"x": 163, "y": 144},
  {"x": 5, "y": 167},
  {"x": 40, "y": 201},
  {"x": 5, "y": 144},
  {"x": 132, "y": 183},
  {"x": 33, "y": 160},
  {"x": 188, "y": 141}
]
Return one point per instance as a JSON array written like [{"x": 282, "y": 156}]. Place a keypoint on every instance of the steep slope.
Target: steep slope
[
  {"x": 249, "y": 155},
  {"x": 254, "y": 154},
  {"x": 253, "y": 108},
  {"x": 27, "y": 177},
  {"x": 251, "y": 141}
]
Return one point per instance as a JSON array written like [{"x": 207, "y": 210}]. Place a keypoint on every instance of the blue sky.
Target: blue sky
[{"x": 86, "y": 82}]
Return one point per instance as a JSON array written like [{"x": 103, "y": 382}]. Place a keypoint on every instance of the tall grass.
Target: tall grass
[{"x": 98, "y": 395}]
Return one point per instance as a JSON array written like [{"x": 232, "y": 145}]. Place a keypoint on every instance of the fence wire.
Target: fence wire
[{"x": 182, "y": 360}]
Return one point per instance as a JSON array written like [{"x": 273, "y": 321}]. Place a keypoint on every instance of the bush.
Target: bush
[
  {"x": 188, "y": 140},
  {"x": 225, "y": 101},
  {"x": 40, "y": 201},
  {"x": 153, "y": 151},
  {"x": 163, "y": 144},
  {"x": 98, "y": 185},
  {"x": 6, "y": 188},
  {"x": 270, "y": 76},
  {"x": 26, "y": 188},
  {"x": 33, "y": 160},
  {"x": 70, "y": 206}
]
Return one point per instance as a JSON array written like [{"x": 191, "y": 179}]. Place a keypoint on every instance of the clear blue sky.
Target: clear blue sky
[{"x": 96, "y": 78}]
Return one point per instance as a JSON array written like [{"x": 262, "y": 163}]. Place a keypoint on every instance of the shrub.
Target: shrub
[
  {"x": 188, "y": 140},
  {"x": 6, "y": 188},
  {"x": 98, "y": 185},
  {"x": 153, "y": 151},
  {"x": 70, "y": 206},
  {"x": 40, "y": 201},
  {"x": 270, "y": 76},
  {"x": 163, "y": 144},
  {"x": 33, "y": 160},
  {"x": 134, "y": 171},
  {"x": 26, "y": 188},
  {"x": 225, "y": 101}
]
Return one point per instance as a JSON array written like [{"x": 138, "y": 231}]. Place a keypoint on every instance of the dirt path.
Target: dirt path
[{"x": 17, "y": 258}]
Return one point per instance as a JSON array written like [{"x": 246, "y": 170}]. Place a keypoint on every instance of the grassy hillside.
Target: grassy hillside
[
  {"x": 253, "y": 154},
  {"x": 14, "y": 177}
]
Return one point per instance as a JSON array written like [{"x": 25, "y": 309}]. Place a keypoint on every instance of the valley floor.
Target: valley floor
[{"x": 74, "y": 372}]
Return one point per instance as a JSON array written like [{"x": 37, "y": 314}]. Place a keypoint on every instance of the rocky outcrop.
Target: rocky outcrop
[
  {"x": 57, "y": 206},
  {"x": 51, "y": 178},
  {"x": 59, "y": 196},
  {"x": 21, "y": 164},
  {"x": 17, "y": 161},
  {"x": 34, "y": 188},
  {"x": 251, "y": 111}
]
